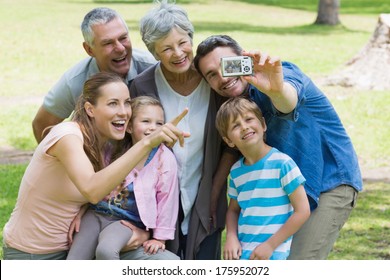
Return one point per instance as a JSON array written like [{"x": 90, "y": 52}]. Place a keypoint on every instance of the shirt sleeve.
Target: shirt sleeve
[
  {"x": 291, "y": 176},
  {"x": 232, "y": 190},
  {"x": 59, "y": 100},
  {"x": 167, "y": 196}
]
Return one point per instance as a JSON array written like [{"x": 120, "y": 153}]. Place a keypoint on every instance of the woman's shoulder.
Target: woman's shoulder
[
  {"x": 65, "y": 128},
  {"x": 59, "y": 131}
]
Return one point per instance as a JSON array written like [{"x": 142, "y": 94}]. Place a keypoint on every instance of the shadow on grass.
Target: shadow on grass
[{"x": 299, "y": 30}]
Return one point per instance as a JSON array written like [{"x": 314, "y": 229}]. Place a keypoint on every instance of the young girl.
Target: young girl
[
  {"x": 68, "y": 171},
  {"x": 148, "y": 197}
]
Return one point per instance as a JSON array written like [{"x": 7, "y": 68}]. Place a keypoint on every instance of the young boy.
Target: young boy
[{"x": 268, "y": 203}]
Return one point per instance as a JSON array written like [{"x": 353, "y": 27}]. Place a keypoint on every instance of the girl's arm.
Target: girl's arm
[
  {"x": 167, "y": 196},
  {"x": 301, "y": 213},
  {"x": 95, "y": 185},
  {"x": 152, "y": 246}
]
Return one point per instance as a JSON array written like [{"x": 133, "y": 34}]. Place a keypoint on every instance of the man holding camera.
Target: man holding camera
[{"x": 302, "y": 123}]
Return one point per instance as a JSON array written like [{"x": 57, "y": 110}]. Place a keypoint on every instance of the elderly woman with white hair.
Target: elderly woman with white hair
[{"x": 203, "y": 162}]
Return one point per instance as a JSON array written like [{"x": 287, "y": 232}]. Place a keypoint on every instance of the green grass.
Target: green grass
[
  {"x": 42, "y": 39},
  {"x": 366, "y": 122},
  {"x": 10, "y": 177},
  {"x": 366, "y": 234}
]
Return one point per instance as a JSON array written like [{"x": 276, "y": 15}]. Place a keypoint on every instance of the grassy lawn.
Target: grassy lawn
[{"x": 42, "y": 39}]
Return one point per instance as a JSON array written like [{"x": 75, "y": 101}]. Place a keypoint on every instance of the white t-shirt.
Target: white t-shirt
[{"x": 189, "y": 157}]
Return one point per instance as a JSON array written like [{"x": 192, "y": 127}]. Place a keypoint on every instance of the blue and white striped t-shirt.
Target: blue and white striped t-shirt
[{"x": 262, "y": 191}]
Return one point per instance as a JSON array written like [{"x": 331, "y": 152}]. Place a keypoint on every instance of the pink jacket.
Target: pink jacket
[{"x": 156, "y": 191}]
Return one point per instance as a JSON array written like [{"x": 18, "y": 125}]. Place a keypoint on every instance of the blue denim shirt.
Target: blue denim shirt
[{"x": 312, "y": 135}]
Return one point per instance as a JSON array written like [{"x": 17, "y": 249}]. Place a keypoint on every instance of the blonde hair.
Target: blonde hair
[
  {"x": 231, "y": 109},
  {"x": 142, "y": 101},
  {"x": 136, "y": 104}
]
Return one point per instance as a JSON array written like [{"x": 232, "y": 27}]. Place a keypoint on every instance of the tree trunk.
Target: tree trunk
[
  {"x": 370, "y": 68},
  {"x": 328, "y": 12}
]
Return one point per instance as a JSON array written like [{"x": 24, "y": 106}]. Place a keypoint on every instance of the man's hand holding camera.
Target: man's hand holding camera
[
  {"x": 268, "y": 78},
  {"x": 267, "y": 72}
]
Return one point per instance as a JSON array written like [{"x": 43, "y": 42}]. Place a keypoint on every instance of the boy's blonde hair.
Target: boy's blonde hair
[{"x": 231, "y": 109}]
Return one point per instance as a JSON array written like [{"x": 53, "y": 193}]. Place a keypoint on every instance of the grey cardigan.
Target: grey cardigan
[{"x": 144, "y": 84}]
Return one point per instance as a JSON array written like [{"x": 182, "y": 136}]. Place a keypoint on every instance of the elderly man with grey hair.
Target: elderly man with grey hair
[{"x": 107, "y": 42}]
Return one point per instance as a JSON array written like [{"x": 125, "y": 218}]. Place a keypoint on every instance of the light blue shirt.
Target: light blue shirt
[
  {"x": 312, "y": 135},
  {"x": 62, "y": 97},
  {"x": 262, "y": 191}
]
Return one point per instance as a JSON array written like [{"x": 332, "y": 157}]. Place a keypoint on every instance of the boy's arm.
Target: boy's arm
[
  {"x": 301, "y": 213},
  {"x": 232, "y": 249}
]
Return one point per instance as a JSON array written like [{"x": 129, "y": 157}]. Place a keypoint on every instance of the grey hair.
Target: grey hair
[
  {"x": 159, "y": 21},
  {"x": 97, "y": 16}
]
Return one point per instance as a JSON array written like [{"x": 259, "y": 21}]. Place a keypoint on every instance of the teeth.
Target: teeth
[
  {"x": 180, "y": 61},
  {"x": 231, "y": 84},
  {"x": 119, "y": 59},
  {"x": 119, "y": 122},
  {"x": 247, "y": 135}
]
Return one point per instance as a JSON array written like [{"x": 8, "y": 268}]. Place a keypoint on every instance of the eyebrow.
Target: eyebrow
[
  {"x": 209, "y": 72},
  {"x": 107, "y": 40}
]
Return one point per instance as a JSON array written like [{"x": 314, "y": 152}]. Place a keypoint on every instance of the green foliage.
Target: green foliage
[{"x": 346, "y": 6}]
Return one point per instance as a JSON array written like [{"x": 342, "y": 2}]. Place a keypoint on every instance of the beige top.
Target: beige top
[{"x": 47, "y": 202}]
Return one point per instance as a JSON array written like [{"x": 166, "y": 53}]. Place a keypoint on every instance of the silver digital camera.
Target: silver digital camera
[{"x": 236, "y": 66}]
